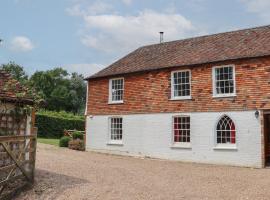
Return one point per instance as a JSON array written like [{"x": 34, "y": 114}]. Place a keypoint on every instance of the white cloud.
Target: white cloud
[
  {"x": 75, "y": 10},
  {"x": 259, "y": 7},
  {"x": 110, "y": 31},
  {"x": 95, "y": 8},
  {"x": 99, "y": 7},
  {"x": 21, "y": 44},
  {"x": 85, "y": 69},
  {"x": 127, "y": 2}
]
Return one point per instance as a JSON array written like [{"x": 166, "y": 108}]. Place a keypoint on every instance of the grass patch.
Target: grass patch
[{"x": 54, "y": 142}]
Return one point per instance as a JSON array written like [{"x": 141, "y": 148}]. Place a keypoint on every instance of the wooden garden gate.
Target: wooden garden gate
[{"x": 17, "y": 163}]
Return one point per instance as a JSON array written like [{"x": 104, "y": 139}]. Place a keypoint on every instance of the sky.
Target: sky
[{"x": 85, "y": 36}]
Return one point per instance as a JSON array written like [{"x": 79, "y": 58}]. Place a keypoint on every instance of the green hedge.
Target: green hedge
[{"x": 52, "y": 124}]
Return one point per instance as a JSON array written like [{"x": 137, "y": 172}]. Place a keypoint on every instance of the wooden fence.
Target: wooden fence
[
  {"x": 17, "y": 163},
  {"x": 69, "y": 132}
]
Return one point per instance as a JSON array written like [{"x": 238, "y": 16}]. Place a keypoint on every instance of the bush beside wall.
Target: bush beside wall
[
  {"x": 52, "y": 124},
  {"x": 77, "y": 135},
  {"x": 63, "y": 142}
]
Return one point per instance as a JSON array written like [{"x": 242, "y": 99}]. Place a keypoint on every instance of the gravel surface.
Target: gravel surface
[{"x": 67, "y": 174}]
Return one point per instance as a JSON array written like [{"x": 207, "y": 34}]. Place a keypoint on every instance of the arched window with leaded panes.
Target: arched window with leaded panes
[{"x": 225, "y": 131}]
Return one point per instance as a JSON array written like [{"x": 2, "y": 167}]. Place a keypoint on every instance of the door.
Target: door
[{"x": 267, "y": 138}]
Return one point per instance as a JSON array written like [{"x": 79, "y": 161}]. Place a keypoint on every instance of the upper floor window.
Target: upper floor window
[
  {"x": 116, "y": 90},
  {"x": 225, "y": 131},
  {"x": 180, "y": 84},
  {"x": 224, "y": 81}
]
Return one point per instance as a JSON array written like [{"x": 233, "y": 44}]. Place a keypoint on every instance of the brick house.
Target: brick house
[{"x": 204, "y": 99}]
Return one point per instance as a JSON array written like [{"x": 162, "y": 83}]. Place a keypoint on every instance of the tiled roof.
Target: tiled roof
[
  {"x": 11, "y": 90},
  {"x": 248, "y": 43}
]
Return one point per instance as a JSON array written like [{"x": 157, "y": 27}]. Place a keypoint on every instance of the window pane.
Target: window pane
[
  {"x": 225, "y": 130},
  {"x": 116, "y": 128},
  {"x": 224, "y": 80},
  {"x": 181, "y": 129},
  {"x": 117, "y": 87},
  {"x": 181, "y": 83}
]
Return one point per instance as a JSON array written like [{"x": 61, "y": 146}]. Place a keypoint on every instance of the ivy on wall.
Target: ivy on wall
[{"x": 16, "y": 103}]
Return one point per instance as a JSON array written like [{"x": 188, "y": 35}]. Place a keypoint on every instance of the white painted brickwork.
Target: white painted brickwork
[{"x": 151, "y": 135}]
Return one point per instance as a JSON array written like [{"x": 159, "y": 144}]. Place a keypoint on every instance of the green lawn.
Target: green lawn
[{"x": 48, "y": 141}]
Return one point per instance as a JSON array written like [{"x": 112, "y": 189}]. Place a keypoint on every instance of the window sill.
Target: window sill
[
  {"x": 116, "y": 102},
  {"x": 181, "y": 145},
  {"x": 225, "y": 147},
  {"x": 117, "y": 143},
  {"x": 224, "y": 96},
  {"x": 181, "y": 98}
]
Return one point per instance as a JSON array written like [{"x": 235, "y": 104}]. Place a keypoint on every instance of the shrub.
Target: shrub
[
  {"x": 52, "y": 124},
  {"x": 76, "y": 145},
  {"x": 64, "y": 141},
  {"x": 77, "y": 135}
]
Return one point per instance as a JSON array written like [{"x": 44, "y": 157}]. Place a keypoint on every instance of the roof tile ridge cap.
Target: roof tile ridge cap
[{"x": 209, "y": 35}]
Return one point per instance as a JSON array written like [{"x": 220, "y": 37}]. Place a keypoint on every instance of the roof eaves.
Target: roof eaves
[{"x": 17, "y": 100}]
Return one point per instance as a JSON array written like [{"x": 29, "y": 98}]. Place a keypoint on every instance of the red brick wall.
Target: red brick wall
[{"x": 149, "y": 92}]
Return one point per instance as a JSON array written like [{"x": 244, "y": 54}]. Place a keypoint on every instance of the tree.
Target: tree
[
  {"x": 59, "y": 98},
  {"x": 16, "y": 71},
  {"x": 42, "y": 82},
  {"x": 78, "y": 91},
  {"x": 60, "y": 90}
]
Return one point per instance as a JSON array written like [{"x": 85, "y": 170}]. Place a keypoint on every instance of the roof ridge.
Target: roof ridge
[{"x": 209, "y": 35}]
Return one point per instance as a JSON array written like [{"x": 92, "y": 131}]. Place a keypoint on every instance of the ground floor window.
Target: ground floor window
[
  {"x": 225, "y": 131},
  {"x": 181, "y": 129},
  {"x": 116, "y": 128}
]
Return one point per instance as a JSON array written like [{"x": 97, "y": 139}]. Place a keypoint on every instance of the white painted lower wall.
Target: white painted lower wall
[{"x": 151, "y": 135}]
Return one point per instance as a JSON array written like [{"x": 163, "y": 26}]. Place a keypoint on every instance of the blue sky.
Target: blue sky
[{"x": 87, "y": 35}]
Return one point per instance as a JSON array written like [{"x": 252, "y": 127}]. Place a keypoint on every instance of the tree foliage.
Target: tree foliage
[
  {"x": 59, "y": 89},
  {"x": 16, "y": 71}
]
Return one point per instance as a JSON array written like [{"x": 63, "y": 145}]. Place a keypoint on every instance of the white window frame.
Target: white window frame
[
  {"x": 215, "y": 95},
  {"x": 172, "y": 86},
  {"x": 225, "y": 146},
  {"x": 110, "y": 140},
  {"x": 110, "y": 91},
  {"x": 181, "y": 145}
]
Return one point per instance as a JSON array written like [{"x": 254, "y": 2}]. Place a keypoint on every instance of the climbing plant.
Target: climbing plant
[{"x": 16, "y": 104}]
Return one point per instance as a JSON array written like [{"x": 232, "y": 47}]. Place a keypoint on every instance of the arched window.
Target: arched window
[{"x": 225, "y": 131}]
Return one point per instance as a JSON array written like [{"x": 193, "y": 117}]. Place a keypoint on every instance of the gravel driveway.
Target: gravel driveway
[{"x": 67, "y": 174}]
